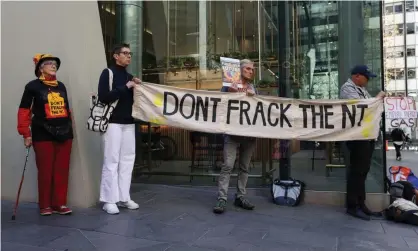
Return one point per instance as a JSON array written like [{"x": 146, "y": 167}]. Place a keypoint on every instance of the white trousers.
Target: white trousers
[{"x": 119, "y": 158}]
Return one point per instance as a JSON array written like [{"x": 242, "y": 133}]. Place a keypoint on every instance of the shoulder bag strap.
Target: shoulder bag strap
[{"x": 110, "y": 79}]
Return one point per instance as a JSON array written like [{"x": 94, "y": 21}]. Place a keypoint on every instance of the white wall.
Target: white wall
[{"x": 71, "y": 31}]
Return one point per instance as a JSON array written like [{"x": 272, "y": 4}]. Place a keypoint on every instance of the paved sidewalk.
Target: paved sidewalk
[
  {"x": 176, "y": 218},
  {"x": 409, "y": 159}
]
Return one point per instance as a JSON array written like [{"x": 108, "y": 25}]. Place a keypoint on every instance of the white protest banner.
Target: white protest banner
[
  {"x": 258, "y": 116},
  {"x": 400, "y": 108}
]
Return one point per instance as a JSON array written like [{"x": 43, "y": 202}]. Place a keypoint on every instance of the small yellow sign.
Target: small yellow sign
[{"x": 55, "y": 108}]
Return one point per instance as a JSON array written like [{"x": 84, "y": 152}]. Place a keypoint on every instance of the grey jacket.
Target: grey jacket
[{"x": 349, "y": 90}]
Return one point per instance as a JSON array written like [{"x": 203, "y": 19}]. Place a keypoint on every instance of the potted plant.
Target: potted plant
[
  {"x": 270, "y": 56},
  {"x": 175, "y": 62},
  {"x": 263, "y": 83},
  {"x": 253, "y": 55},
  {"x": 236, "y": 54},
  {"x": 189, "y": 62}
]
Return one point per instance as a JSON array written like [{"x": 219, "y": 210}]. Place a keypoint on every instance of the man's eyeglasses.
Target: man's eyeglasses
[{"x": 126, "y": 53}]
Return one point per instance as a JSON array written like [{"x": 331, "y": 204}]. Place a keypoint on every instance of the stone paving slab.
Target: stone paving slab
[{"x": 180, "y": 219}]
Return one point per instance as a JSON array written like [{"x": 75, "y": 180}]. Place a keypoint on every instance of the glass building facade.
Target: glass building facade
[{"x": 310, "y": 45}]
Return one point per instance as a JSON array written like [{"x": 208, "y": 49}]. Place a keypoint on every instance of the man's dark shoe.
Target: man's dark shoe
[
  {"x": 243, "y": 203},
  {"x": 220, "y": 206},
  {"x": 358, "y": 213},
  {"x": 368, "y": 212}
]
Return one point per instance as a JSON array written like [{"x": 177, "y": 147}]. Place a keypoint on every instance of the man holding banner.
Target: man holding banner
[
  {"x": 231, "y": 143},
  {"x": 361, "y": 151},
  {"x": 242, "y": 117}
]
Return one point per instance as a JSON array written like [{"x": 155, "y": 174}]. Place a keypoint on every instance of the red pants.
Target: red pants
[{"x": 53, "y": 163}]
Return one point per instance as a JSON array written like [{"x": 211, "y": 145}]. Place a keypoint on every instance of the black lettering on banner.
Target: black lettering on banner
[
  {"x": 320, "y": 114},
  {"x": 411, "y": 122},
  {"x": 283, "y": 115},
  {"x": 259, "y": 110},
  {"x": 327, "y": 114},
  {"x": 276, "y": 121},
  {"x": 204, "y": 107},
  {"x": 215, "y": 107},
  {"x": 231, "y": 108},
  {"x": 305, "y": 114},
  {"x": 394, "y": 123},
  {"x": 351, "y": 116},
  {"x": 362, "y": 107},
  {"x": 399, "y": 122},
  {"x": 176, "y": 103},
  {"x": 192, "y": 106},
  {"x": 323, "y": 115},
  {"x": 244, "y": 111}
]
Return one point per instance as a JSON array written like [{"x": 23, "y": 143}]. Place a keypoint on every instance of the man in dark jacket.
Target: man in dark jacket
[
  {"x": 361, "y": 151},
  {"x": 398, "y": 137}
]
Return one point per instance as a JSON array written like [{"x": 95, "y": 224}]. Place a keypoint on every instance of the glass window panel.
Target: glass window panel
[
  {"x": 410, "y": 6},
  {"x": 399, "y": 29},
  {"x": 410, "y": 28},
  {"x": 410, "y": 50},
  {"x": 398, "y": 8},
  {"x": 411, "y": 73},
  {"x": 183, "y": 40}
]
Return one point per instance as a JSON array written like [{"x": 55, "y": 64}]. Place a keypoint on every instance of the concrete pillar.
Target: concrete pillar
[
  {"x": 350, "y": 37},
  {"x": 130, "y": 28},
  {"x": 157, "y": 15},
  {"x": 284, "y": 79},
  {"x": 202, "y": 36}
]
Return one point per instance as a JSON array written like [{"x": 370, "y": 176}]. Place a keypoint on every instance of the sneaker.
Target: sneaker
[
  {"x": 62, "y": 210},
  {"x": 243, "y": 203},
  {"x": 220, "y": 206},
  {"x": 45, "y": 211},
  {"x": 130, "y": 204},
  {"x": 111, "y": 208}
]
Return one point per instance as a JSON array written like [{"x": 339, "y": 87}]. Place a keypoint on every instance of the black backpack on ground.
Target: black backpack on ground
[
  {"x": 403, "y": 207},
  {"x": 402, "y": 189}
]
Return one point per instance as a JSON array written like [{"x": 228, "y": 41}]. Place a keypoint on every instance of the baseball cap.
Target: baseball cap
[{"x": 363, "y": 70}]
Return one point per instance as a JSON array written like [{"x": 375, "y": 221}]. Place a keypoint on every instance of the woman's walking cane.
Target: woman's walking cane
[{"x": 20, "y": 186}]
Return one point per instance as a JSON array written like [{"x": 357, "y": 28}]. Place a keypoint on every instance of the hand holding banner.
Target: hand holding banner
[{"x": 258, "y": 116}]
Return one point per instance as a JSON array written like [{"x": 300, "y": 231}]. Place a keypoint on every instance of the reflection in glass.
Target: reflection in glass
[{"x": 182, "y": 42}]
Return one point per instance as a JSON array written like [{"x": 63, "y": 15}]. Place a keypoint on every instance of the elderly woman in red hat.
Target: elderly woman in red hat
[{"x": 44, "y": 120}]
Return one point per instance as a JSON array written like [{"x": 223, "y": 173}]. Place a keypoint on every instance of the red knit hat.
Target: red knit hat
[{"x": 38, "y": 59}]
